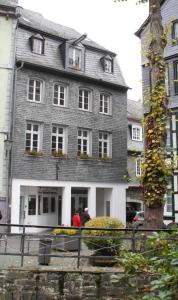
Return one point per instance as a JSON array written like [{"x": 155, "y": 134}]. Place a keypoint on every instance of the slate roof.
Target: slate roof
[
  {"x": 9, "y": 2},
  {"x": 134, "y": 109},
  {"x": 37, "y": 21},
  {"x": 34, "y": 22}
]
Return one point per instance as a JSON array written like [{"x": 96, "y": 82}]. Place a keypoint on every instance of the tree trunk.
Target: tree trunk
[{"x": 154, "y": 170}]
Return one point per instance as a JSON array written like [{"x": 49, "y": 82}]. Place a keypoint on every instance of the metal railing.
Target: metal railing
[{"x": 29, "y": 244}]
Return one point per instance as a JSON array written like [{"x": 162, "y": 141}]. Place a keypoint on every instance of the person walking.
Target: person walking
[
  {"x": 76, "y": 219},
  {"x": 85, "y": 217}
]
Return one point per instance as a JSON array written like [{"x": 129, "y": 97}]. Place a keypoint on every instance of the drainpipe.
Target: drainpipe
[
  {"x": 11, "y": 128},
  {"x": 11, "y": 139}
]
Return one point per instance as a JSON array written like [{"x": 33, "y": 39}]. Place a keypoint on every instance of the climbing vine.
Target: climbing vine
[{"x": 156, "y": 167}]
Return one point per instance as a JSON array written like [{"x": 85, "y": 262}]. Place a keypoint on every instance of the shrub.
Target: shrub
[
  {"x": 103, "y": 246},
  {"x": 63, "y": 231}
]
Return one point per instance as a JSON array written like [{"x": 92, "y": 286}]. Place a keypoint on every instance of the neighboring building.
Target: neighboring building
[
  {"x": 9, "y": 12},
  {"x": 134, "y": 154},
  {"x": 169, "y": 11},
  {"x": 69, "y": 126}
]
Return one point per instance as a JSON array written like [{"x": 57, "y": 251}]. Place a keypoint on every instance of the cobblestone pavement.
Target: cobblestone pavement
[{"x": 12, "y": 246}]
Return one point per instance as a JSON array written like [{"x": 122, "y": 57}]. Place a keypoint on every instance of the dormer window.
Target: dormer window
[
  {"x": 107, "y": 63},
  {"x": 75, "y": 58},
  {"x": 175, "y": 32},
  {"x": 37, "y": 44}
]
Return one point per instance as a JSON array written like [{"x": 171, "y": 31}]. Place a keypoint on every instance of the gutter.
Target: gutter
[{"x": 80, "y": 77}]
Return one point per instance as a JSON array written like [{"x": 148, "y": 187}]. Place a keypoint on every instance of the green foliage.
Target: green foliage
[
  {"x": 63, "y": 231},
  {"x": 133, "y": 262},
  {"x": 159, "y": 262},
  {"x": 103, "y": 246}
]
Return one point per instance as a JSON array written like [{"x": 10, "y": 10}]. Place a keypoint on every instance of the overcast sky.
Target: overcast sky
[{"x": 109, "y": 23}]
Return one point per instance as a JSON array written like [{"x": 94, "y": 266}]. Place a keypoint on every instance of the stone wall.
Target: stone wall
[{"x": 18, "y": 284}]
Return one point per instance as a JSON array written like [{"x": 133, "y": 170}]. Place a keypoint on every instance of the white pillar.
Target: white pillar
[
  {"x": 66, "y": 205},
  {"x": 15, "y": 206},
  {"x": 92, "y": 201},
  {"x": 118, "y": 202}
]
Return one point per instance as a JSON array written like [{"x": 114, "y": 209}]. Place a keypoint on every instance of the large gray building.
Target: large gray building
[
  {"x": 69, "y": 126},
  {"x": 169, "y": 12}
]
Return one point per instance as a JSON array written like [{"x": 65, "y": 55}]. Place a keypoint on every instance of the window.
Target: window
[
  {"x": 37, "y": 44},
  {"x": 32, "y": 141},
  {"x": 107, "y": 63},
  {"x": 75, "y": 58},
  {"x": 136, "y": 133},
  {"x": 105, "y": 104},
  {"x": 84, "y": 99},
  {"x": 176, "y": 77},
  {"x": 49, "y": 204},
  {"x": 45, "y": 205},
  {"x": 83, "y": 142},
  {"x": 175, "y": 32},
  {"x": 167, "y": 84},
  {"x": 32, "y": 205},
  {"x": 35, "y": 90},
  {"x": 53, "y": 204},
  {"x": 138, "y": 167},
  {"x": 168, "y": 131},
  {"x": 59, "y": 95},
  {"x": 169, "y": 201},
  {"x": 105, "y": 145},
  {"x": 58, "y": 139}
]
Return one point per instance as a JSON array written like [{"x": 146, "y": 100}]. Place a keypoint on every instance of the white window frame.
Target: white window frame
[
  {"x": 175, "y": 31},
  {"x": 84, "y": 90},
  {"x": 136, "y": 133},
  {"x": 38, "y": 46},
  {"x": 167, "y": 80},
  {"x": 34, "y": 87},
  {"x": 138, "y": 169},
  {"x": 168, "y": 204},
  {"x": 75, "y": 61},
  {"x": 58, "y": 135},
  {"x": 104, "y": 140},
  {"x": 60, "y": 85},
  {"x": 108, "y": 65},
  {"x": 32, "y": 132},
  {"x": 105, "y": 101},
  {"x": 83, "y": 138}
]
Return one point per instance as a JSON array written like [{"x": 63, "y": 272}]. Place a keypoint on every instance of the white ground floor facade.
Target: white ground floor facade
[{"x": 51, "y": 203}]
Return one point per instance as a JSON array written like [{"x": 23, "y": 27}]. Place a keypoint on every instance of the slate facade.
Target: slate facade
[{"x": 91, "y": 169}]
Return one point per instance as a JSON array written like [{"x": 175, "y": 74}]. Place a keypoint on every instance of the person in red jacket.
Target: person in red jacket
[{"x": 76, "y": 219}]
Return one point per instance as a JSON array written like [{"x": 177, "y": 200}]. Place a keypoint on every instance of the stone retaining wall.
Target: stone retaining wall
[{"x": 41, "y": 284}]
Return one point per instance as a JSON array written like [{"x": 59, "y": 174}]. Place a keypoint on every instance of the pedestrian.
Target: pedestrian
[
  {"x": 76, "y": 219},
  {"x": 85, "y": 217}
]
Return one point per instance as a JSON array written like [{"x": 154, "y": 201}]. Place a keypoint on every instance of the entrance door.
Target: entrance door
[
  {"x": 78, "y": 202},
  {"x": 30, "y": 209}
]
